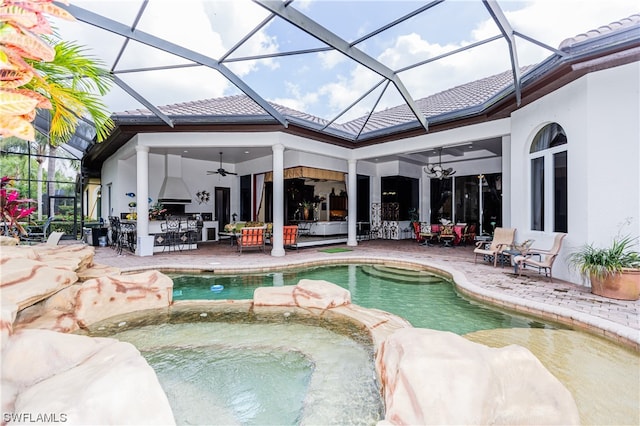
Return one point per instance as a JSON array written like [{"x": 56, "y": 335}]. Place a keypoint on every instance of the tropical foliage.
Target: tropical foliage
[
  {"x": 36, "y": 72},
  {"x": 600, "y": 262},
  {"x": 13, "y": 209},
  {"x": 21, "y": 27}
]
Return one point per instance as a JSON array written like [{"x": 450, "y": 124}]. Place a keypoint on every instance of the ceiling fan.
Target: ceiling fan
[{"x": 220, "y": 171}]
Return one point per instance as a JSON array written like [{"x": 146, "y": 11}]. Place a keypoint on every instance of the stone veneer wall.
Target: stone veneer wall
[{"x": 426, "y": 376}]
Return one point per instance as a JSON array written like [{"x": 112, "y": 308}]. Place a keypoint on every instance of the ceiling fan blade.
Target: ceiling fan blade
[{"x": 221, "y": 171}]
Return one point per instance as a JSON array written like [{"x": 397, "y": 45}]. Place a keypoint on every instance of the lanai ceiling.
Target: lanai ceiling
[{"x": 337, "y": 63}]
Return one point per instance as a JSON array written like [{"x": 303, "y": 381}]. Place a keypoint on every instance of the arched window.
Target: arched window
[{"x": 548, "y": 156}]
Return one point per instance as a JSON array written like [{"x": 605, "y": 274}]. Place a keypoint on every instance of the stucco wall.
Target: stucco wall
[{"x": 599, "y": 113}]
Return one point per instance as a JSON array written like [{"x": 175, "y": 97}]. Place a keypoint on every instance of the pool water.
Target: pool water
[
  {"x": 218, "y": 373},
  {"x": 418, "y": 297}
]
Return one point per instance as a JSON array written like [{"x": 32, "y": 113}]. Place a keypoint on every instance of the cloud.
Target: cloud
[
  {"x": 331, "y": 58},
  {"x": 325, "y": 83},
  {"x": 562, "y": 19},
  {"x": 299, "y": 101},
  {"x": 209, "y": 28}
]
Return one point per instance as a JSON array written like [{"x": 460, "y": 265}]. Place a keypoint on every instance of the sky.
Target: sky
[{"x": 326, "y": 83}]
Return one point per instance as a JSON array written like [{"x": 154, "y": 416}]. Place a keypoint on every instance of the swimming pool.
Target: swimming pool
[{"x": 424, "y": 299}]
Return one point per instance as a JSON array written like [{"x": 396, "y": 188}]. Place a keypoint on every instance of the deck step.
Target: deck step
[{"x": 412, "y": 276}]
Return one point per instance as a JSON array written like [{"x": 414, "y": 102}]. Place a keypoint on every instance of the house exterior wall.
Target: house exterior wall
[{"x": 599, "y": 113}]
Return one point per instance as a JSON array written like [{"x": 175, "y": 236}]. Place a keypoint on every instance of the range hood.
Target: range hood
[{"x": 173, "y": 190}]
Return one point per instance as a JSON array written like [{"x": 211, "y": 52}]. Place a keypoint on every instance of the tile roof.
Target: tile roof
[
  {"x": 469, "y": 95},
  {"x": 601, "y": 31},
  {"x": 459, "y": 98}
]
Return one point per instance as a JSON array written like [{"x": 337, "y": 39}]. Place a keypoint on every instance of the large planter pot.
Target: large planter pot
[{"x": 622, "y": 286}]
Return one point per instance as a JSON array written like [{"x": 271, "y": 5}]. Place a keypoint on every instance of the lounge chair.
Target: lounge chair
[
  {"x": 546, "y": 258},
  {"x": 251, "y": 237},
  {"x": 502, "y": 240},
  {"x": 290, "y": 236},
  {"x": 54, "y": 238}
]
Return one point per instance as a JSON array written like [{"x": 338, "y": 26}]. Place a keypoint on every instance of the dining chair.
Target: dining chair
[
  {"x": 469, "y": 234},
  {"x": 447, "y": 236}
]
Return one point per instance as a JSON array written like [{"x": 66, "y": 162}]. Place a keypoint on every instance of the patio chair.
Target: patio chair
[
  {"x": 38, "y": 234},
  {"x": 547, "y": 257},
  {"x": 469, "y": 234},
  {"x": 447, "y": 236},
  {"x": 416, "y": 232},
  {"x": 502, "y": 240},
  {"x": 54, "y": 238},
  {"x": 290, "y": 236},
  {"x": 251, "y": 237}
]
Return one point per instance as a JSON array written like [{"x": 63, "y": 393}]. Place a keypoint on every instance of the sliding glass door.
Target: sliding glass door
[{"x": 475, "y": 199}]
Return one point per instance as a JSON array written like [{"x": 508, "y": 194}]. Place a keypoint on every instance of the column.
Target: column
[
  {"x": 352, "y": 199},
  {"x": 278, "y": 201},
  {"x": 144, "y": 246}
]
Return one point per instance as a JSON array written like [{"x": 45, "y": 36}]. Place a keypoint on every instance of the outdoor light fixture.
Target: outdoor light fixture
[{"x": 437, "y": 171}]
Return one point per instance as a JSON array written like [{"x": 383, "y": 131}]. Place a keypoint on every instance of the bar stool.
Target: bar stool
[
  {"x": 126, "y": 237},
  {"x": 171, "y": 229},
  {"x": 114, "y": 224},
  {"x": 189, "y": 231}
]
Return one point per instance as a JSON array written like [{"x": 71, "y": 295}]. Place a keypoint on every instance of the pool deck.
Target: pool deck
[{"x": 560, "y": 301}]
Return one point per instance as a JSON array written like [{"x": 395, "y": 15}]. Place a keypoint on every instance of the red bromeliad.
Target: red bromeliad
[{"x": 13, "y": 209}]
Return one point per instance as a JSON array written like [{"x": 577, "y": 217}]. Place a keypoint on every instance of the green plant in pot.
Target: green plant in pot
[{"x": 614, "y": 271}]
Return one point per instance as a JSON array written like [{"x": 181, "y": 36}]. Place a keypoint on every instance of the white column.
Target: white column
[
  {"x": 278, "y": 201},
  {"x": 506, "y": 181},
  {"x": 142, "y": 206},
  {"x": 352, "y": 200}
]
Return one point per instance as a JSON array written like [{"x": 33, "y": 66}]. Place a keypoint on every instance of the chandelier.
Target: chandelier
[{"x": 437, "y": 171}]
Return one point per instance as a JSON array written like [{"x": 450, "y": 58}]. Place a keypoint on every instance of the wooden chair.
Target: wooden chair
[
  {"x": 547, "y": 257},
  {"x": 251, "y": 237},
  {"x": 290, "y": 236},
  {"x": 502, "y": 240}
]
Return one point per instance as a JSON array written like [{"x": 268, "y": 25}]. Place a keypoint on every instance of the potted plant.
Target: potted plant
[
  {"x": 306, "y": 208},
  {"x": 614, "y": 271}
]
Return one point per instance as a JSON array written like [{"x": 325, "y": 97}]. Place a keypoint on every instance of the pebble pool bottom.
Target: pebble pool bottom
[{"x": 218, "y": 373}]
